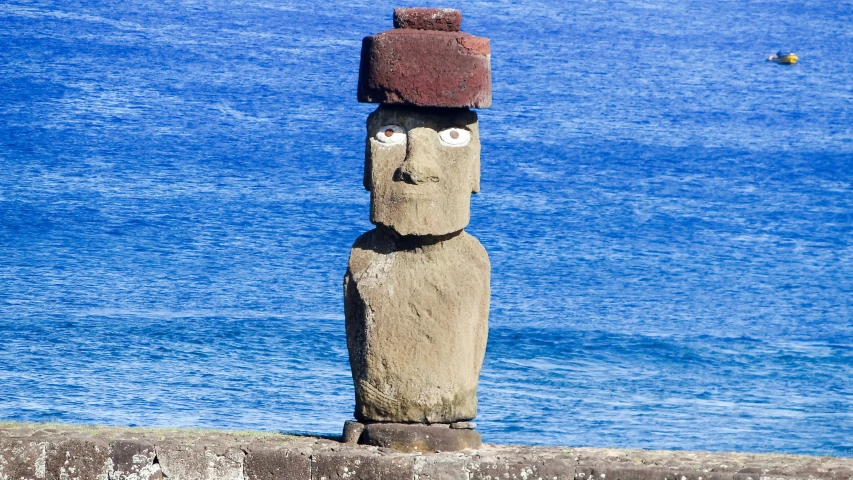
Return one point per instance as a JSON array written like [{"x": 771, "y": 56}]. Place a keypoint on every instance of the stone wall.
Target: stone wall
[{"x": 64, "y": 452}]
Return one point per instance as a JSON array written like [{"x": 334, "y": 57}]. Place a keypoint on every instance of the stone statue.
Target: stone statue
[{"x": 416, "y": 292}]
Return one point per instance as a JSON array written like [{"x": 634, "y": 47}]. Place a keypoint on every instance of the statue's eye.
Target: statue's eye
[
  {"x": 391, "y": 135},
  {"x": 454, "y": 137}
]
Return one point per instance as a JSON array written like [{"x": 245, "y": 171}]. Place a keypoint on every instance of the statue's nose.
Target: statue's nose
[{"x": 419, "y": 165}]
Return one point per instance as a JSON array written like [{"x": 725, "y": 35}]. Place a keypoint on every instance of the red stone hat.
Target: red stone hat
[{"x": 426, "y": 61}]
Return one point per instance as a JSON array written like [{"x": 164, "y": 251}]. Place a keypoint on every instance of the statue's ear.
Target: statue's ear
[
  {"x": 474, "y": 126},
  {"x": 368, "y": 157},
  {"x": 368, "y": 166},
  {"x": 475, "y": 175}
]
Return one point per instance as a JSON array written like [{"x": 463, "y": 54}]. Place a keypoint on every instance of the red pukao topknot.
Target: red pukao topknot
[{"x": 426, "y": 61}]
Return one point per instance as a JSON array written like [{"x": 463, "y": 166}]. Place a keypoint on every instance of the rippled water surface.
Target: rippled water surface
[{"x": 669, "y": 217}]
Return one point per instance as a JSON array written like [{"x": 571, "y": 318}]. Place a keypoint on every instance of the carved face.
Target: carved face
[{"x": 421, "y": 167}]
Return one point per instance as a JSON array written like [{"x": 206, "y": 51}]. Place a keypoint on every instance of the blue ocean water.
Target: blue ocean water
[{"x": 668, "y": 216}]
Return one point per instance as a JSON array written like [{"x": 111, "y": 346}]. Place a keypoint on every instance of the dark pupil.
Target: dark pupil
[
  {"x": 454, "y": 134},
  {"x": 389, "y": 132}
]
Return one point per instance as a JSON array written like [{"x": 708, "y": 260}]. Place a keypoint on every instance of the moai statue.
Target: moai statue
[{"x": 416, "y": 293}]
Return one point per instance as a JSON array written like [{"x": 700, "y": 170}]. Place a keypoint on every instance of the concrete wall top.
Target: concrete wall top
[{"x": 64, "y": 452}]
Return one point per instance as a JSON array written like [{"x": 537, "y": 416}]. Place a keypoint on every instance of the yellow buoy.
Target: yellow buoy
[{"x": 785, "y": 59}]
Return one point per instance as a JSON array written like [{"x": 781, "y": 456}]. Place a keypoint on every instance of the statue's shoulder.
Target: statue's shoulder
[
  {"x": 473, "y": 247},
  {"x": 369, "y": 248},
  {"x": 364, "y": 240},
  {"x": 373, "y": 241}
]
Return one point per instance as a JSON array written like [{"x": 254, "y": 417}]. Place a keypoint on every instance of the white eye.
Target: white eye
[
  {"x": 454, "y": 137},
  {"x": 391, "y": 135}
]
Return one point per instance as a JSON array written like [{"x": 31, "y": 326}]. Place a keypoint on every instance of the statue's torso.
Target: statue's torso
[{"x": 417, "y": 323}]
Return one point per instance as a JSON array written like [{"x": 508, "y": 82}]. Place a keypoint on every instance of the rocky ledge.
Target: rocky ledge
[{"x": 65, "y": 452}]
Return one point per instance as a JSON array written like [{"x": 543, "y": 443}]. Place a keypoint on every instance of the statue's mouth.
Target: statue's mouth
[{"x": 426, "y": 194}]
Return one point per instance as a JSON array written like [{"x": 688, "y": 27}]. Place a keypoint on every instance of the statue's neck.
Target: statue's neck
[{"x": 411, "y": 242}]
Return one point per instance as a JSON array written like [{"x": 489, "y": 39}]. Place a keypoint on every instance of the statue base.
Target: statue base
[{"x": 413, "y": 437}]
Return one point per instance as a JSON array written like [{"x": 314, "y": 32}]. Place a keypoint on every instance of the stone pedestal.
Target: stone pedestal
[
  {"x": 407, "y": 437},
  {"x": 413, "y": 437}
]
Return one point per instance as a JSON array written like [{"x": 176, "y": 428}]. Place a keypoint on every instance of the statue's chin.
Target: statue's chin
[{"x": 421, "y": 215}]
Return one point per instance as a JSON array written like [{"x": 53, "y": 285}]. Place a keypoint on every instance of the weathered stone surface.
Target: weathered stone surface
[
  {"x": 650, "y": 464},
  {"x": 361, "y": 465},
  {"x": 496, "y": 462},
  {"x": 277, "y": 464},
  {"x": 442, "y": 19},
  {"x": 416, "y": 323},
  {"x": 442, "y": 466},
  {"x": 427, "y": 68},
  {"x": 650, "y": 472},
  {"x": 642, "y": 472},
  {"x": 408, "y": 437},
  {"x": 520, "y": 464},
  {"x": 22, "y": 459},
  {"x": 179, "y": 461},
  {"x": 78, "y": 459},
  {"x": 133, "y": 460},
  {"x": 419, "y": 184},
  {"x": 352, "y": 432}
]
